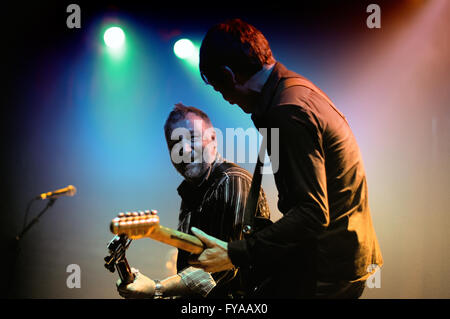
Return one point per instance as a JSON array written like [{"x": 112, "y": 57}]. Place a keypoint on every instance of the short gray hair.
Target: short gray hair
[{"x": 179, "y": 112}]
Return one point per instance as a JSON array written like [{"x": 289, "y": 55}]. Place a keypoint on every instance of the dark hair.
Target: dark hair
[
  {"x": 236, "y": 44},
  {"x": 179, "y": 112}
]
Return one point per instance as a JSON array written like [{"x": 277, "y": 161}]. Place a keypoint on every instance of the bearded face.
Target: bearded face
[{"x": 193, "y": 146}]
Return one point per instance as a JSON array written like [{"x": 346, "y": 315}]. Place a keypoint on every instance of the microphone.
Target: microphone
[{"x": 66, "y": 191}]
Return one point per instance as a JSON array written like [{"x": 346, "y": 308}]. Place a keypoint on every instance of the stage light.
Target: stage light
[
  {"x": 114, "y": 37},
  {"x": 184, "y": 49}
]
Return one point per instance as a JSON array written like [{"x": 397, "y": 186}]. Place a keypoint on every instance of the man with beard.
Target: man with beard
[{"x": 213, "y": 193}]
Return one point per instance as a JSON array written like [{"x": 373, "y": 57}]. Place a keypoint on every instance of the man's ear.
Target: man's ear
[{"x": 228, "y": 75}]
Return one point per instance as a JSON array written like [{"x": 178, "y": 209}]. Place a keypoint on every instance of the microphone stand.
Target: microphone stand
[
  {"x": 13, "y": 282},
  {"x": 36, "y": 219}
]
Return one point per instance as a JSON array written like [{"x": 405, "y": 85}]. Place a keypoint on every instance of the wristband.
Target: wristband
[{"x": 158, "y": 290}]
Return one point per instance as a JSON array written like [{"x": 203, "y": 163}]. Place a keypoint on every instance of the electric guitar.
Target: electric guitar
[{"x": 145, "y": 224}]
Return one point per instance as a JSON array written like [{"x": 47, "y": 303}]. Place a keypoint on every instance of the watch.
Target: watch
[{"x": 158, "y": 290}]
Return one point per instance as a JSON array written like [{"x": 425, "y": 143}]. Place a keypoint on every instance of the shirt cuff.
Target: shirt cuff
[
  {"x": 238, "y": 253},
  {"x": 197, "y": 280}
]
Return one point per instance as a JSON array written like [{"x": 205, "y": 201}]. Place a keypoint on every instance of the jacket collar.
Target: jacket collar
[
  {"x": 269, "y": 89},
  {"x": 257, "y": 81}
]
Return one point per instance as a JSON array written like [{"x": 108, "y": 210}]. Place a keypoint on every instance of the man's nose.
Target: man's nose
[{"x": 187, "y": 147}]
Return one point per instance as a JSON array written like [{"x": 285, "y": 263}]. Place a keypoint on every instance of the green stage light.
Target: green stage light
[
  {"x": 114, "y": 37},
  {"x": 184, "y": 49}
]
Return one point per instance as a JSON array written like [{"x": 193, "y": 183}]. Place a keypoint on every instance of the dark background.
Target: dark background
[{"x": 392, "y": 84}]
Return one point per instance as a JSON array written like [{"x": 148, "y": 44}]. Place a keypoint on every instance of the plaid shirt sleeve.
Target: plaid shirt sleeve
[{"x": 197, "y": 280}]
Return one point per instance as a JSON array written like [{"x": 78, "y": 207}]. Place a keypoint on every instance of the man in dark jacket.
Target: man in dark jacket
[{"x": 325, "y": 242}]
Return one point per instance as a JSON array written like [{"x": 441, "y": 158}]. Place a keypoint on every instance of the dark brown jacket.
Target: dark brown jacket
[{"x": 326, "y": 232}]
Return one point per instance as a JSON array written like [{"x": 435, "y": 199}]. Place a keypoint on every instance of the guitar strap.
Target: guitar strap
[{"x": 253, "y": 195}]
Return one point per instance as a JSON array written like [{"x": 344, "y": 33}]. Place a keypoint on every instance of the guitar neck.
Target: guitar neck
[
  {"x": 146, "y": 224},
  {"x": 177, "y": 239}
]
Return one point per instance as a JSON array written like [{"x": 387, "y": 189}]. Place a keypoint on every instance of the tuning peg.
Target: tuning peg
[
  {"x": 108, "y": 259},
  {"x": 154, "y": 212},
  {"x": 116, "y": 220},
  {"x": 121, "y": 214},
  {"x": 128, "y": 214}
]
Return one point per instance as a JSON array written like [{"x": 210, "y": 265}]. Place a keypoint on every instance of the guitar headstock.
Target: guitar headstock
[{"x": 135, "y": 225}]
